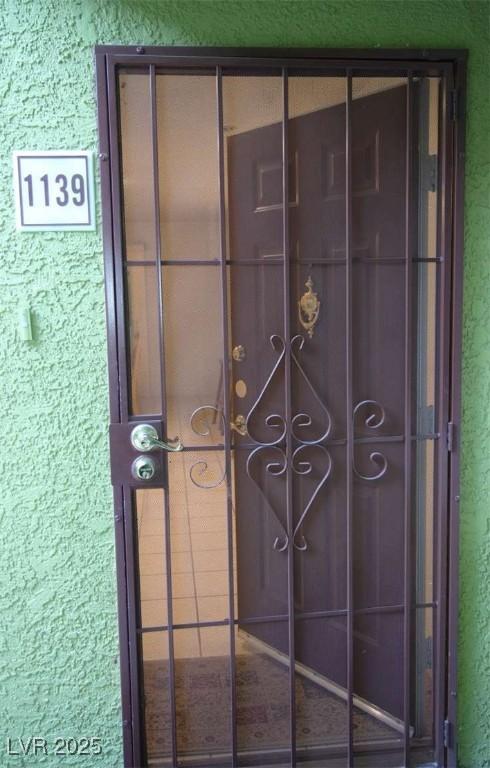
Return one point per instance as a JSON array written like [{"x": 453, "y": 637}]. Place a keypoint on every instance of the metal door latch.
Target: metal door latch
[
  {"x": 144, "y": 437},
  {"x": 240, "y": 425},
  {"x": 238, "y": 353},
  {"x": 446, "y": 733}
]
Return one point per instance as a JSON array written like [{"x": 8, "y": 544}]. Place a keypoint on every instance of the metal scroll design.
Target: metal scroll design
[
  {"x": 273, "y": 420},
  {"x": 371, "y": 412},
  {"x": 303, "y": 420},
  {"x": 304, "y": 468},
  {"x": 300, "y": 467},
  {"x": 374, "y": 418},
  {"x": 276, "y": 469},
  {"x": 300, "y": 464},
  {"x": 201, "y": 467}
]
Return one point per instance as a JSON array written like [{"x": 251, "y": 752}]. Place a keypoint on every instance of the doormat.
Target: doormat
[{"x": 202, "y": 688}]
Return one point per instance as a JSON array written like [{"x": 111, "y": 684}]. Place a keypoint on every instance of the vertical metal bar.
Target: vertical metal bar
[
  {"x": 425, "y": 415},
  {"x": 132, "y": 608},
  {"x": 107, "y": 232},
  {"x": 117, "y": 208},
  {"x": 444, "y": 362},
  {"x": 226, "y": 408},
  {"x": 113, "y": 368},
  {"x": 288, "y": 412},
  {"x": 441, "y": 452},
  {"x": 349, "y": 417},
  {"x": 113, "y": 248},
  {"x": 161, "y": 342},
  {"x": 408, "y": 425},
  {"x": 124, "y": 651},
  {"x": 457, "y": 168}
]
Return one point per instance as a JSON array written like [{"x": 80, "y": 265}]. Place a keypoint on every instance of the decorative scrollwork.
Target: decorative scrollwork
[
  {"x": 300, "y": 421},
  {"x": 378, "y": 459},
  {"x": 374, "y": 418},
  {"x": 201, "y": 426},
  {"x": 376, "y": 415},
  {"x": 305, "y": 468},
  {"x": 275, "y": 468},
  {"x": 273, "y": 420},
  {"x": 304, "y": 419}
]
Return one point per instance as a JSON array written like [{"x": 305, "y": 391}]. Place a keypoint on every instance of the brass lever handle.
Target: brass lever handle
[
  {"x": 144, "y": 437},
  {"x": 239, "y": 425},
  {"x": 172, "y": 446}
]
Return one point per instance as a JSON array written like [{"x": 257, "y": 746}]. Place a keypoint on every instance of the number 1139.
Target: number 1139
[{"x": 60, "y": 191}]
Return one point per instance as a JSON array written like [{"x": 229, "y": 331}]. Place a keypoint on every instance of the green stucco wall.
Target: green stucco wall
[{"x": 59, "y": 671}]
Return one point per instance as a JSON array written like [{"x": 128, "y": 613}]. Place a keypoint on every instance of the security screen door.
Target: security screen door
[{"x": 278, "y": 328}]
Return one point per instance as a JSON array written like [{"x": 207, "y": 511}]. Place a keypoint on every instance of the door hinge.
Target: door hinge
[
  {"x": 450, "y": 436},
  {"x": 429, "y": 173},
  {"x": 453, "y": 105},
  {"x": 446, "y": 734}
]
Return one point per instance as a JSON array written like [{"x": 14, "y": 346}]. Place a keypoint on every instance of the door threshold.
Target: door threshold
[{"x": 324, "y": 682}]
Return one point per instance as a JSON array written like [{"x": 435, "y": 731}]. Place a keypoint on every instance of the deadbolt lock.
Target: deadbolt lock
[
  {"x": 143, "y": 468},
  {"x": 238, "y": 353}
]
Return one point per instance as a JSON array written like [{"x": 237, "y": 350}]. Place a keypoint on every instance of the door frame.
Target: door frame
[{"x": 450, "y": 65}]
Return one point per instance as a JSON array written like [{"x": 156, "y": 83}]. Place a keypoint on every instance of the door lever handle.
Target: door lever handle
[
  {"x": 240, "y": 425},
  {"x": 172, "y": 446},
  {"x": 144, "y": 437}
]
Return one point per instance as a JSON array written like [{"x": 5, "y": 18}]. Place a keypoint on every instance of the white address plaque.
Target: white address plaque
[{"x": 54, "y": 190}]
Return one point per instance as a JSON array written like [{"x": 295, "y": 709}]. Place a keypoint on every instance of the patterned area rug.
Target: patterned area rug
[{"x": 203, "y": 707}]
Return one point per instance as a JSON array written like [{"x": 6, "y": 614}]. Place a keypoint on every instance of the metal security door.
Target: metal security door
[{"x": 281, "y": 235}]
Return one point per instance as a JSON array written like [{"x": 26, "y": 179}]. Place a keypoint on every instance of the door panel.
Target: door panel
[
  {"x": 280, "y": 315},
  {"x": 317, "y": 234}
]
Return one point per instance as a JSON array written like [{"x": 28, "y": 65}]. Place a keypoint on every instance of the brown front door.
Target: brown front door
[
  {"x": 317, "y": 246},
  {"x": 278, "y": 288}
]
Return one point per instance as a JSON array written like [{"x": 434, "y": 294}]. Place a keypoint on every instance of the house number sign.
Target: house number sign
[{"x": 54, "y": 190}]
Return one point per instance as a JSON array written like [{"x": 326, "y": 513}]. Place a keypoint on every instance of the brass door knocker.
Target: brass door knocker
[{"x": 309, "y": 308}]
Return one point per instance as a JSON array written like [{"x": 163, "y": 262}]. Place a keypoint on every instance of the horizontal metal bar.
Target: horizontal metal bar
[
  {"x": 283, "y": 617},
  {"x": 396, "y": 63},
  {"x": 339, "y": 442},
  {"x": 385, "y": 751},
  {"x": 396, "y": 438},
  {"x": 350, "y": 55},
  {"x": 173, "y": 263},
  {"x": 276, "y": 262},
  {"x": 248, "y": 446}
]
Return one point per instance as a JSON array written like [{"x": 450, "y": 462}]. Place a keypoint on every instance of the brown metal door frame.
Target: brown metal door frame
[{"x": 450, "y": 65}]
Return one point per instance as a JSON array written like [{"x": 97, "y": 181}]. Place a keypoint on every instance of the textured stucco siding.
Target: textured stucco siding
[{"x": 59, "y": 671}]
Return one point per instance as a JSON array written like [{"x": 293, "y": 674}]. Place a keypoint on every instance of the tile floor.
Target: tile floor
[{"x": 199, "y": 551}]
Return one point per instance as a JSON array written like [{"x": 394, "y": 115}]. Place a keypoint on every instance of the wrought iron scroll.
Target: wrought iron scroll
[
  {"x": 370, "y": 411},
  {"x": 300, "y": 421},
  {"x": 374, "y": 418},
  {"x": 303, "y": 419},
  {"x": 273, "y": 420},
  {"x": 199, "y": 468},
  {"x": 304, "y": 468},
  {"x": 275, "y": 468}
]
